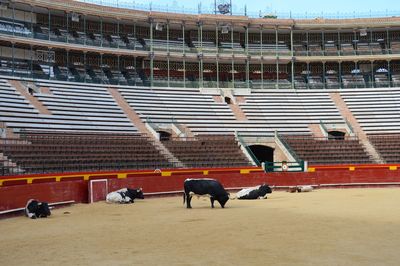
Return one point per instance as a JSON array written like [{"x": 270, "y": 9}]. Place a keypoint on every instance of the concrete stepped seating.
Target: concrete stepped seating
[
  {"x": 208, "y": 151},
  {"x": 327, "y": 151},
  {"x": 70, "y": 152},
  {"x": 282, "y": 110},
  {"x": 388, "y": 146},
  {"x": 72, "y": 106},
  {"x": 376, "y": 110}
]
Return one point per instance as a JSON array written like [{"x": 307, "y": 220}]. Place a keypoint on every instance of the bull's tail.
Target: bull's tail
[{"x": 184, "y": 198}]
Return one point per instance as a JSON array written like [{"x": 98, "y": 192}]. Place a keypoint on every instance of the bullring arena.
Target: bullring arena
[
  {"x": 94, "y": 99},
  {"x": 323, "y": 227}
]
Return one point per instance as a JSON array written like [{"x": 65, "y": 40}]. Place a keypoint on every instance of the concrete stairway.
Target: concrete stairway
[
  {"x": 362, "y": 136},
  {"x": 23, "y": 90},
  {"x": 135, "y": 119}
]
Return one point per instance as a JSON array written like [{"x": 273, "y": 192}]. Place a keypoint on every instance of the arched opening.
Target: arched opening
[
  {"x": 262, "y": 153},
  {"x": 227, "y": 100},
  {"x": 336, "y": 135},
  {"x": 164, "y": 135}
]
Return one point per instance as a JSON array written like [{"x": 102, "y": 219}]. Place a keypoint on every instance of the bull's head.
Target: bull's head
[
  {"x": 43, "y": 209},
  {"x": 223, "y": 199},
  {"x": 139, "y": 193}
]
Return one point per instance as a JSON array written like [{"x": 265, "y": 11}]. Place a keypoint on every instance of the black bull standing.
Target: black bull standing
[{"x": 208, "y": 187}]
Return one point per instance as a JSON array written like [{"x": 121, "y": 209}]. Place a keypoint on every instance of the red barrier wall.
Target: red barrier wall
[{"x": 15, "y": 194}]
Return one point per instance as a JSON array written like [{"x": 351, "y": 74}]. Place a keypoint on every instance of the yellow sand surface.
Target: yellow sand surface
[{"x": 323, "y": 227}]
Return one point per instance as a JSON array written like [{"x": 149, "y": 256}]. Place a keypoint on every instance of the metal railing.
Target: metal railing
[
  {"x": 287, "y": 147},
  {"x": 244, "y": 144},
  {"x": 178, "y": 7}
]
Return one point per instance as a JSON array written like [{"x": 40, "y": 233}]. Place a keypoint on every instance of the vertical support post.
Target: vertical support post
[
  {"x": 292, "y": 55},
  {"x": 168, "y": 55},
  {"x": 184, "y": 54},
  {"x": 201, "y": 68},
  {"x": 217, "y": 52},
  {"x": 308, "y": 74},
  {"x": 247, "y": 73},
  {"x": 247, "y": 57},
  {"x": 84, "y": 64},
  {"x": 32, "y": 33},
  {"x": 67, "y": 26},
  {"x": 134, "y": 37},
  {"x": 262, "y": 57},
  {"x": 13, "y": 58},
  {"x": 151, "y": 55},
  {"x": 339, "y": 44},
  {"x": 277, "y": 58},
  {"x": 389, "y": 73},
  {"x": 101, "y": 32},
  {"x": 49, "y": 23},
  {"x": 119, "y": 36},
  {"x": 51, "y": 68},
  {"x": 84, "y": 29},
  {"x": 67, "y": 64},
  {"x": 372, "y": 75},
  {"x": 388, "y": 42},
  {"x": 31, "y": 62},
  {"x": 307, "y": 44},
  {"x": 13, "y": 20},
  {"x": 119, "y": 67},
  {"x": 323, "y": 75},
  {"x": 232, "y": 59},
  {"x": 101, "y": 68},
  {"x": 217, "y": 62}
]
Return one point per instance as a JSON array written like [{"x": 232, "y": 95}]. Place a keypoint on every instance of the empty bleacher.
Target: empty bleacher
[
  {"x": 208, "y": 151},
  {"x": 388, "y": 146},
  {"x": 327, "y": 151},
  {"x": 45, "y": 152},
  {"x": 290, "y": 112},
  {"x": 72, "y": 106},
  {"x": 376, "y": 110}
]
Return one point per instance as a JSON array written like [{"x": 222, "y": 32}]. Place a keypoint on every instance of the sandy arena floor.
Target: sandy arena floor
[{"x": 324, "y": 227}]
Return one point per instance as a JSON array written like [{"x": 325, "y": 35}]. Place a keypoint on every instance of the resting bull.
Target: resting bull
[
  {"x": 35, "y": 209},
  {"x": 125, "y": 195},
  {"x": 258, "y": 192},
  {"x": 304, "y": 188},
  {"x": 208, "y": 187},
  {"x": 301, "y": 189}
]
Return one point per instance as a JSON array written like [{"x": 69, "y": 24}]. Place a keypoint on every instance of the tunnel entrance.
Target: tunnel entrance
[
  {"x": 336, "y": 135},
  {"x": 262, "y": 153},
  {"x": 164, "y": 135}
]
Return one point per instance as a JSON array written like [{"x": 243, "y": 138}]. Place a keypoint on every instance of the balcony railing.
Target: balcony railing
[{"x": 180, "y": 7}]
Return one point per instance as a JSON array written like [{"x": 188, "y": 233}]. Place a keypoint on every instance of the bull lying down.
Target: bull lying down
[
  {"x": 205, "y": 187},
  {"x": 258, "y": 192},
  {"x": 125, "y": 195},
  {"x": 35, "y": 209}
]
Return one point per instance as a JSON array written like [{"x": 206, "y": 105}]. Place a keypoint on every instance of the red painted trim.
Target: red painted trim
[
  {"x": 148, "y": 171},
  {"x": 15, "y": 195}
]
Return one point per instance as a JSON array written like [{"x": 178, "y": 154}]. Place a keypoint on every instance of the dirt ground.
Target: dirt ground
[{"x": 324, "y": 227}]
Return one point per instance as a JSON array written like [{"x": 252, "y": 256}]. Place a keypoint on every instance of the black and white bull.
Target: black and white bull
[
  {"x": 205, "y": 187},
  {"x": 125, "y": 195},
  {"x": 35, "y": 209},
  {"x": 258, "y": 192}
]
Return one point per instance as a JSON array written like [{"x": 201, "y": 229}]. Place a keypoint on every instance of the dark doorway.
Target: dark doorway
[
  {"x": 228, "y": 100},
  {"x": 164, "y": 136},
  {"x": 336, "y": 135},
  {"x": 262, "y": 153}
]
